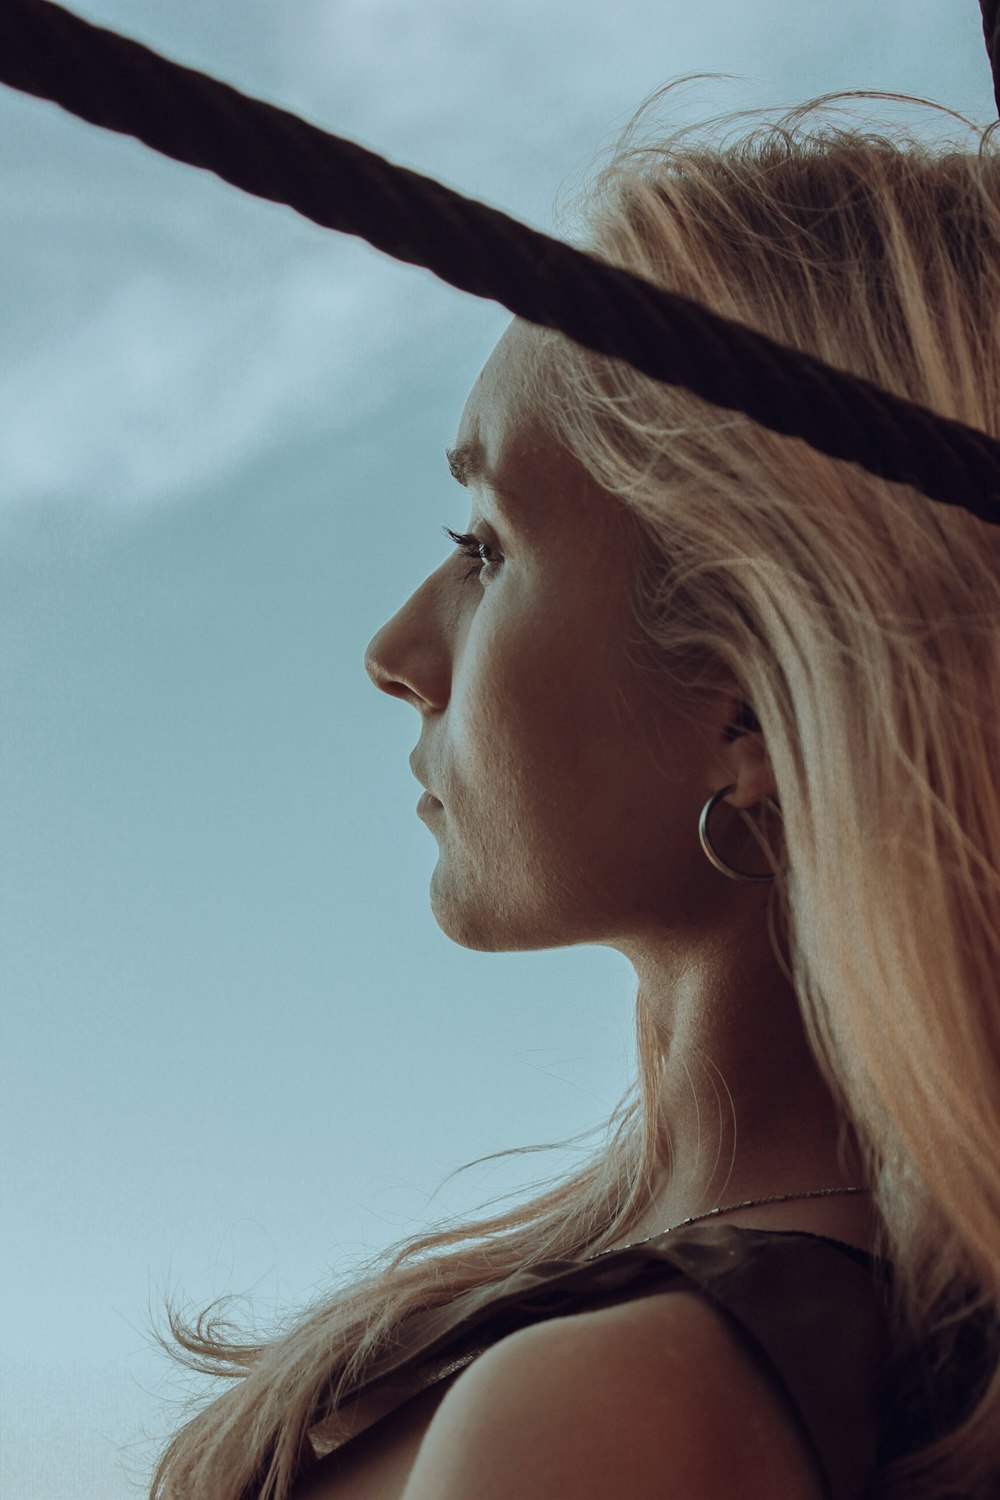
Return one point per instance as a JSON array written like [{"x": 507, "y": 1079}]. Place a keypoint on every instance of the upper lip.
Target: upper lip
[{"x": 420, "y": 778}]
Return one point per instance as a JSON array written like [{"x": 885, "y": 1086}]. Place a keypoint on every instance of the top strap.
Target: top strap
[{"x": 808, "y": 1308}]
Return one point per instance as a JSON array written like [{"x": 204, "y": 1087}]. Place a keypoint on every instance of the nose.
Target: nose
[
  {"x": 373, "y": 664},
  {"x": 386, "y": 680},
  {"x": 410, "y": 656}
]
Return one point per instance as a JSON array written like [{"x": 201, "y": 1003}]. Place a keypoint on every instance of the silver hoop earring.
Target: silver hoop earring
[{"x": 720, "y": 864}]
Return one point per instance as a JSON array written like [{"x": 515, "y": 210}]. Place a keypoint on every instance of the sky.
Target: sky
[{"x": 237, "y": 1053}]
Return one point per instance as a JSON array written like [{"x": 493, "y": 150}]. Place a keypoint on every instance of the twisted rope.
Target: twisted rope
[
  {"x": 991, "y": 31},
  {"x": 121, "y": 85}
]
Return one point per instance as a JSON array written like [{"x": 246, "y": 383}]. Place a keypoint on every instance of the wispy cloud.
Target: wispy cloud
[{"x": 167, "y": 377}]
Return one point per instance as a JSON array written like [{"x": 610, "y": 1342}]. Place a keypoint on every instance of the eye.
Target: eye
[{"x": 474, "y": 547}]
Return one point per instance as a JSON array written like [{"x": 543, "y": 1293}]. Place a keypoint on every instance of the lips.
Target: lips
[{"x": 423, "y": 783}]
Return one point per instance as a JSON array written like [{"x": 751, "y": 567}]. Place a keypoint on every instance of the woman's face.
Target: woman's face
[{"x": 569, "y": 794}]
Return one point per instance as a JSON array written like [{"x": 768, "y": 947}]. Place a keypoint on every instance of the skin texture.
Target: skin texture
[
  {"x": 572, "y": 780},
  {"x": 662, "y": 1403}
]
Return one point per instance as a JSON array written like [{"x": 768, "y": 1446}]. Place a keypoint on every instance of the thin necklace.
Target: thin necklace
[{"x": 728, "y": 1208}]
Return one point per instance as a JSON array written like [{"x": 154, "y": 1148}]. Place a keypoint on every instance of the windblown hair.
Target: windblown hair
[{"x": 862, "y": 622}]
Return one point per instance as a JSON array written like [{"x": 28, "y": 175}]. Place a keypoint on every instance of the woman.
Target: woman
[{"x": 695, "y": 691}]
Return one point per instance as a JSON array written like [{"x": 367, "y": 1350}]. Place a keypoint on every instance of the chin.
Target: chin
[
  {"x": 484, "y": 925},
  {"x": 468, "y": 926}
]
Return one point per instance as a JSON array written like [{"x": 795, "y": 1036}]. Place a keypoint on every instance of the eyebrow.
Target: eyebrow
[{"x": 465, "y": 462}]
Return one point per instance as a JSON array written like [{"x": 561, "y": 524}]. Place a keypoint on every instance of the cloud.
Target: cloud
[{"x": 168, "y": 377}]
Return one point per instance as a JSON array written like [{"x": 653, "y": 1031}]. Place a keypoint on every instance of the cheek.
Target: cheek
[
  {"x": 515, "y": 694},
  {"x": 547, "y": 708}
]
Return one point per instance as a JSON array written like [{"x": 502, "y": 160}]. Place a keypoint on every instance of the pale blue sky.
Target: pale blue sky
[{"x": 237, "y": 1051}]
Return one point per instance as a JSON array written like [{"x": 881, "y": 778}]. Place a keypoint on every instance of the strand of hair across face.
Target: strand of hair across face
[{"x": 122, "y": 85}]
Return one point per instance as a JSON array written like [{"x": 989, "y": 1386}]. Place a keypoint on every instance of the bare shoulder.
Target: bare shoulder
[{"x": 649, "y": 1400}]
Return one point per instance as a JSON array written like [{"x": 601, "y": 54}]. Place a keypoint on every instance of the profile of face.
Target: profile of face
[{"x": 568, "y": 789}]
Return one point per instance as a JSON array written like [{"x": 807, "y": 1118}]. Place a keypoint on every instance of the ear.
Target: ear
[{"x": 742, "y": 757}]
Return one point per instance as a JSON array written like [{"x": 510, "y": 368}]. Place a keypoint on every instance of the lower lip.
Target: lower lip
[{"x": 428, "y": 804}]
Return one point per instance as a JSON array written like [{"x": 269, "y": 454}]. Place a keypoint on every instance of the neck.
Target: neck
[{"x": 745, "y": 1113}]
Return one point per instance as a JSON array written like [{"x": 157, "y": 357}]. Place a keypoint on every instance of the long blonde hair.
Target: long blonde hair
[{"x": 862, "y": 621}]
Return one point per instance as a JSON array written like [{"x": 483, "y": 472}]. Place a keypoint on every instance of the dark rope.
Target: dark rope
[
  {"x": 991, "y": 31},
  {"x": 121, "y": 85}
]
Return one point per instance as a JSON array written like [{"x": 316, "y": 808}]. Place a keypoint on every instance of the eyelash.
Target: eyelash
[{"x": 472, "y": 547}]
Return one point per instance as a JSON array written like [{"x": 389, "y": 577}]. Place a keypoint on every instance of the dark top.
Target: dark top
[{"x": 811, "y": 1310}]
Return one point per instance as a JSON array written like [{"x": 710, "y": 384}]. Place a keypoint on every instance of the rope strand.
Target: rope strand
[
  {"x": 122, "y": 85},
  {"x": 991, "y": 31}
]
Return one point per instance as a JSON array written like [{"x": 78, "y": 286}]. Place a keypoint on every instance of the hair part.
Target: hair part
[{"x": 862, "y": 622}]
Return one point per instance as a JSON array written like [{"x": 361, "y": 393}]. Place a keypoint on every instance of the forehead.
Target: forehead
[
  {"x": 502, "y": 444},
  {"x": 499, "y": 406}
]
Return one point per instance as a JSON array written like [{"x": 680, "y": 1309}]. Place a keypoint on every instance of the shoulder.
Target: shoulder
[{"x": 649, "y": 1400}]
